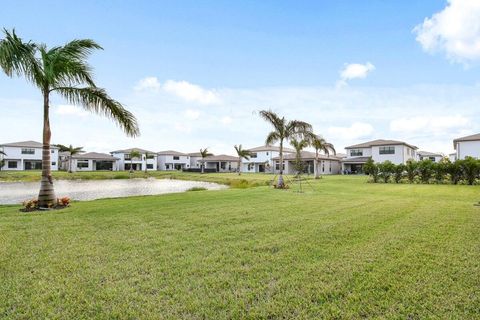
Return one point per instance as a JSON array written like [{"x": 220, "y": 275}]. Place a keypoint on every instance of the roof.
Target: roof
[
  {"x": 270, "y": 148},
  {"x": 171, "y": 153},
  {"x": 432, "y": 154},
  {"x": 473, "y": 137},
  {"x": 221, "y": 157},
  {"x": 356, "y": 160},
  {"x": 307, "y": 155},
  {"x": 194, "y": 154},
  {"x": 133, "y": 149},
  {"x": 26, "y": 144},
  {"x": 380, "y": 142},
  {"x": 94, "y": 156}
]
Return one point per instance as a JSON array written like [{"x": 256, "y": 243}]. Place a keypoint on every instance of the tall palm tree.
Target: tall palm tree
[
  {"x": 242, "y": 154},
  {"x": 204, "y": 153},
  {"x": 134, "y": 154},
  {"x": 2, "y": 162},
  {"x": 283, "y": 131},
  {"x": 71, "y": 152},
  {"x": 299, "y": 145},
  {"x": 320, "y": 145},
  {"x": 65, "y": 71}
]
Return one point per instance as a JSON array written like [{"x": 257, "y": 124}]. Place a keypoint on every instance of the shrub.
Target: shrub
[
  {"x": 454, "y": 170},
  {"x": 30, "y": 205},
  {"x": 425, "y": 170},
  {"x": 197, "y": 189},
  {"x": 64, "y": 201},
  {"x": 371, "y": 169},
  {"x": 386, "y": 169},
  {"x": 440, "y": 170},
  {"x": 411, "y": 169},
  {"x": 470, "y": 169},
  {"x": 398, "y": 172}
]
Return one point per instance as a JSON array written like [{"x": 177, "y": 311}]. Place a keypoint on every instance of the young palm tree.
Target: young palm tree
[
  {"x": 134, "y": 154},
  {"x": 283, "y": 131},
  {"x": 71, "y": 152},
  {"x": 320, "y": 145},
  {"x": 299, "y": 145},
  {"x": 65, "y": 71},
  {"x": 204, "y": 153},
  {"x": 242, "y": 154}
]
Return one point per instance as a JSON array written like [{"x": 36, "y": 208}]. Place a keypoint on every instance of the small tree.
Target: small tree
[
  {"x": 299, "y": 145},
  {"x": 71, "y": 152},
  {"x": 411, "y": 169},
  {"x": 371, "y": 168},
  {"x": 425, "y": 170},
  {"x": 242, "y": 154},
  {"x": 470, "y": 169},
  {"x": 204, "y": 153},
  {"x": 134, "y": 154},
  {"x": 386, "y": 169},
  {"x": 454, "y": 170},
  {"x": 440, "y": 170},
  {"x": 398, "y": 172},
  {"x": 319, "y": 144}
]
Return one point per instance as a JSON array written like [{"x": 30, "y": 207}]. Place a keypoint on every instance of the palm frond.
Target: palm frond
[
  {"x": 97, "y": 100},
  {"x": 272, "y": 138}
]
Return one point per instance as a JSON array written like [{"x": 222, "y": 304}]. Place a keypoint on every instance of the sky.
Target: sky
[{"x": 196, "y": 73}]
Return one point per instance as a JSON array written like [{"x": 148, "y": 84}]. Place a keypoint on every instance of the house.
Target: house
[
  {"x": 327, "y": 164},
  {"x": 433, "y": 156},
  {"x": 195, "y": 160},
  {"x": 90, "y": 161},
  {"x": 147, "y": 159},
  {"x": 173, "y": 160},
  {"x": 379, "y": 151},
  {"x": 261, "y": 159},
  {"x": 468, "y": 146},
  {"x": 26, "y": 155},
  {"x": 221, "y": 163},
  {"x": 452, "y": 157}
]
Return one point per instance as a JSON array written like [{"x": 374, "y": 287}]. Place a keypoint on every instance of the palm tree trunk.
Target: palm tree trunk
[
  {"x": 70, "y": 163},
  {"x": 131, "y": 165},
  {"x": 238, "y": 166},
  {"x": 203, "y": 166},
  {"x": 316, "y": 165},
  {"x": 281, "y": 183},
  {"x": 46, "y": 196}
]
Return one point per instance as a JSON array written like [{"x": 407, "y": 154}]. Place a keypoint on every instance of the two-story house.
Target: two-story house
[
  {"x": 26, "y": 155},
  {"x": 468, "y": 146},
  {"x": 173, "y": 160},
  {"x": 432, "y": 156},
  {"x": 262, "y": 159},
  {"x": 147, "y": 159},
  {"x": 379, "y": 151}
]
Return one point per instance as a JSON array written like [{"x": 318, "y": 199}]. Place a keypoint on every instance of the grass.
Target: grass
[
  {"x": 231, "y": 179},
  {"x": 343, "y": 249}
]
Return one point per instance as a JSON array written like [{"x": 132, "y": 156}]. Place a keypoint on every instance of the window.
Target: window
[
  {"x": 254, "y": 155},
  {"x": 432, "y": 158},
  {"x": 82, "y": 164},
  {"x": 127, "y": 156},
  {"x": 176, "y": 158},
  {"x": 12, "y": 164},
  {"x": 223, "y": 165},
  {"x": 277, "y": 165},
  {"x": 28, "y": 151},
  {"x": 387, "y": 150},
  {"x": 150, "y": 156},
  {"x": 267, "y": 153},
  {"x": 149, "y": 166},
  {"x": 53, "y": 151},
  {"x": 356, "y": 152},
  {"x": 54, "y": 163}
]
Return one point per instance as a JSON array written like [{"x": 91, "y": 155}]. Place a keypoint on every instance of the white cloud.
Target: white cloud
[
  {"x": 354, "y": 71},
  {"x": 426, "y": 124},
  {"x": 192, "y": 114},
  {"x": 226, "y": 120},
  {"x": 355, "y": 131},
  {"x": 148, "y": 84},
  {"x": 67, "y": 109},
  {"x": 455, "y": 30},
  {"x": 182, "y": 127},
  {"x": 191, "y": 92}
]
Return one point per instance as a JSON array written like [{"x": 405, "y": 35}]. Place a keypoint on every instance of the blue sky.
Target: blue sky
[{"x": 194, "y": 72}]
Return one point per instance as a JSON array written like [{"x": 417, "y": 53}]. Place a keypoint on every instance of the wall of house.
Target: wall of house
[
  {"x": 468, "y": 149},
  {"x": 195, "y": 162},
  {"x": 398, "y": 157},
  {"x": 15, "y": 154},
  {"x": 164, "y": 159},
  {"x": 366, "y": 152},
  {"x": 261, "y": 157},
  {"x": 230, "y": 166},
  {"x": 121, "y": 161},
  {"x": 325, "y": 167}
]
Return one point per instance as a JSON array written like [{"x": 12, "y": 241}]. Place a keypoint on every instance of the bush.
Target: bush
[
  {"x": 197, "y": 189},
  {"x": 386, "y": 169},
  {"x": 371, "y": 169},
  {"x": 398, "y": 172},
  {"x": 470, "y": 169},
  {"x": 411, "y": 169},
  {"x": 425, "y": 170}
]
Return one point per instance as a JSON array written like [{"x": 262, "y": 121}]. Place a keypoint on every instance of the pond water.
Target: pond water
[{"x": 17, "y": 192}]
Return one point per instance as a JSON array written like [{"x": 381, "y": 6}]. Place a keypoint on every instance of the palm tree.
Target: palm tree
[
  {"x": 242, "y": 154},
  {"x": 65, "y": 71},
  {"x": 299, "y": 145},
  {"x": 320, "y": 145},
  {"x": 283, "y": 131},
  {"x": 147, "y": 156},
  {"x": 2, "y": 162},
  {"x": 134, "y": 154},
  {"x": 71, "y": 151},
  {"x": 204, "y": 153}
]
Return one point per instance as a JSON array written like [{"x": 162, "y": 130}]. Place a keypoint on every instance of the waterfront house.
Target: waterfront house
[
  {"x": 26, "y": 155},
  {"x": 328, "y": 164},
  {"x": 147, "y": 159},
  {"x": 262, "y": 158},
  {"x": 173, "y": 160}
]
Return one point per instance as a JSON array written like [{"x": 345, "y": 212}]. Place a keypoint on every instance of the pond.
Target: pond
[{"x": 17, "y": 192}]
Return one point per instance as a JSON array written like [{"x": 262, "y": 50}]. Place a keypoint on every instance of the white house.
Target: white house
[
  {"x": 195, "y": 160},
  {"x": 173, "y": 160},
  {"x": 147, "y": 159},
  {"x": 468, "y": 146},
  {"x": 379, "y": 151},
  {"x": 91, "y": 161},
  {"x": 26, "y": 155},
  {"x": 433, "y": 156},
  {"x": 327, "y": 164},
  {"x": 262, "y": 157},
  {"x": 221, "y": 163}
]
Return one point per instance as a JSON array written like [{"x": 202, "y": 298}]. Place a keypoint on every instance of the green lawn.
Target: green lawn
[{"x": 343, "y": 249}]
